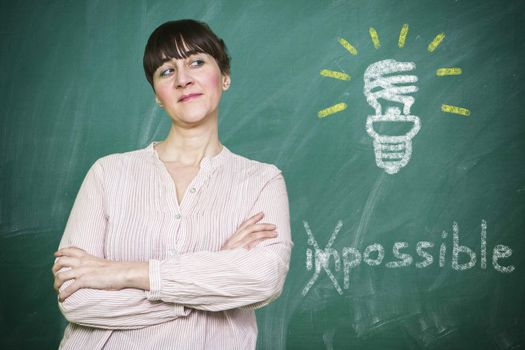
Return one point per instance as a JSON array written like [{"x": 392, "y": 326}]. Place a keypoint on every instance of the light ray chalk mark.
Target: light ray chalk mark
[
  {"x": 332, "y": 109},
  {"x": 334, "y": 74},
  {"x": 375, "y": 38},
  {"x": 456, "y": 110},
  {"x": 403, "y": 36},
  {"x": 441, "y": 72},
  {"x": 347, "y": 46},
  {"x": 435, "y": 43}
]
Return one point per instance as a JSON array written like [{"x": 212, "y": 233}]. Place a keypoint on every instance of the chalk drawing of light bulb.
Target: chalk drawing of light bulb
[{"x": 381, "y": 82}]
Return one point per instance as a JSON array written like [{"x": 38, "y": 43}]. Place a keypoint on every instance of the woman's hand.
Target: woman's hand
[
  {"x": 250, "y": 233},
  {"x": 88, "y": 271}
]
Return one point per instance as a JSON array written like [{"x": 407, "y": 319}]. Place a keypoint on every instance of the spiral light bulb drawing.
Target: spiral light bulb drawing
[
  {"x": 388, "y": 81},
  {"x": 392, "y": 152}
]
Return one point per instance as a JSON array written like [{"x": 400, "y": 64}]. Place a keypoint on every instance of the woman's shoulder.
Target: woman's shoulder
[
  {"x": 120, "y": 160},
  {"x": 245, "y": 166}
]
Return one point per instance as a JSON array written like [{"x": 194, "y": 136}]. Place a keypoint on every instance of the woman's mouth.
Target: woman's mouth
[{"x": 189, "y": 97}]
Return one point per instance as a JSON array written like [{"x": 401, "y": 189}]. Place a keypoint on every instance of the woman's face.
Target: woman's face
[{"x": 189, "y": 89}]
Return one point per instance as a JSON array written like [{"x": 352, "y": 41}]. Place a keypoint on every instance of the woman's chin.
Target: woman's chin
[{"x": 193, "y": 120}]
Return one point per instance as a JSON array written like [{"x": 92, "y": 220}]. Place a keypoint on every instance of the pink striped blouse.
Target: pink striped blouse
[{"x": 199, "y": 297}]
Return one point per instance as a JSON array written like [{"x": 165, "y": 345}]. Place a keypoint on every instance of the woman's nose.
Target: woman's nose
[{"x": 183, "y": 78}]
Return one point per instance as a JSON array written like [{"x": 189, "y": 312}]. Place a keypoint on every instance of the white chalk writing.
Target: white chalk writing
[{"x": 374, "y": 255}]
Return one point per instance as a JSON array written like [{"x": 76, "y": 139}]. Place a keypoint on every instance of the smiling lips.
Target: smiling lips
[{"x": 189, "y": 97}]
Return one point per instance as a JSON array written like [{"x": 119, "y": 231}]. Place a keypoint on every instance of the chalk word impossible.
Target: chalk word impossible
[{"x": 373, "y": 255}]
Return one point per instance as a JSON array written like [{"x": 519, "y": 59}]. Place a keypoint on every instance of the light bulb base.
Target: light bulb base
[{"x": 392, "y": 152}]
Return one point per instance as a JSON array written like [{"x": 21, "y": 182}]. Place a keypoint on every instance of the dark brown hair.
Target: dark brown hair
[{"x": 180, "y": 39}]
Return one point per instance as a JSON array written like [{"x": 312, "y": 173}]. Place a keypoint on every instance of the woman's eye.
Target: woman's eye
[
  {"x": 197, "y": 63},
  {"x": 165, "y": 72}
]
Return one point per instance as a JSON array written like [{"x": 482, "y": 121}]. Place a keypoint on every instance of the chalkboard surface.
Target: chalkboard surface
[{"x": 399, "y": 126}]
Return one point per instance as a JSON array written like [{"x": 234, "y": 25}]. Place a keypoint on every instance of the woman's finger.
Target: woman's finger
[
  {"x": 252, "y": 239},
  {"x": 72, "y": 288},
  {"x": 247, "y": 228},
  {"x": 252, "y": 220},
  {"x": 62, "y": 277},
  {"x": 70, "y": 251},
  {"x": 241, "y": 235},
  {"x": 253, "y": 229},
  {"x": 64, "y": 261},
  {"x": 56, "y": 266},
  {"x": 57, "y": 284},
  {"x": 257, "y": 236}
]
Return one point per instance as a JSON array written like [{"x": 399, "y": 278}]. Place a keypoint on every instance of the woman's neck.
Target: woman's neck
[{"x": 189, "y": 146}]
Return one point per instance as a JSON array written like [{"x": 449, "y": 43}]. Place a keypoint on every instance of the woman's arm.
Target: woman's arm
[
  {"x": 84, "y": 270},
  {"x": 112, "y": 309},
  {"x": 233, "y": 278}
]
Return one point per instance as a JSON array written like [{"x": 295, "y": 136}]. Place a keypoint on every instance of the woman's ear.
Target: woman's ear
[
  {"x": 158, "y": 101},
  {"x": 226, "y": 81}
]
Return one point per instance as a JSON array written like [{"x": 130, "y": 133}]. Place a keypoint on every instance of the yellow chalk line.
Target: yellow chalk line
[
  {"x": 456, "y": 110},
  {"x": 331, "y": 110},
  {"x": 334, "y": 74},
  {"x": 448, "y": 71},
  {"x": 403, "y": 36},
  {"x": 347, "y": 46},
  {"x": 435, "y": 43},
  {"x": 375, "y": 39}
]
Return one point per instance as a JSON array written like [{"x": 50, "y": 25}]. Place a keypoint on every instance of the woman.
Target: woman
[{"x": 165, "y": 247}]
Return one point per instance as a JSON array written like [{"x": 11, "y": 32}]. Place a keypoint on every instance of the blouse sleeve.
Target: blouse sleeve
[
  {"x": 223, "y": 280},
  {"x": 123, "y": 309}
]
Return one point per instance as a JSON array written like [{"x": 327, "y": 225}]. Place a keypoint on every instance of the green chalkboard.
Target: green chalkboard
[{"x": 408, "y": 223}]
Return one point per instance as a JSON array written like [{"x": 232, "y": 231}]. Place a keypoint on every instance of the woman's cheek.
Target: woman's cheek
[{"x": 214, "y": 81}]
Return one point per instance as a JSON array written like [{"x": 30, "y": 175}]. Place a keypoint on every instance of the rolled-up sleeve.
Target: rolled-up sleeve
[
  {"x": 223, "y": 280},
  {"x": 123, "y": 309}
]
